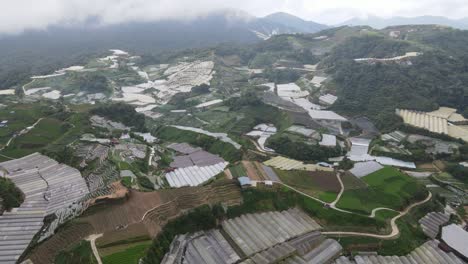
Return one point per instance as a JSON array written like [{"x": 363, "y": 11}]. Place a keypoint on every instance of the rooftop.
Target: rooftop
[
  {"x": 457, "y": 238},
  {"x": 326, "y": 115}
]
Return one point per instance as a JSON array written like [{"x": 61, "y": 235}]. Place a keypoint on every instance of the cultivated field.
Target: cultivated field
[
  {"x": 387, "y": 187},
  {"x": 319, "y": 184}
]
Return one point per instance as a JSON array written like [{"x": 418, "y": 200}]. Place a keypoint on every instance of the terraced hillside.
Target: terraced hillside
[{"x": 151, "y": 209}]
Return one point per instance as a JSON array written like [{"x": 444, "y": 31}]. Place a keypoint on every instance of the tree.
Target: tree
[{"x": 10, "y": 194}]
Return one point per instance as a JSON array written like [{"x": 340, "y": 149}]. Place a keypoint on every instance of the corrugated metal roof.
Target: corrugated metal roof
[
  {"x": 457, "y": 238},
  {"x": 328, "y": 140},
  {"x": 362, "y": 169},
  {"x": 326, "y": 115},
  {"x": 244, "y": 181}
]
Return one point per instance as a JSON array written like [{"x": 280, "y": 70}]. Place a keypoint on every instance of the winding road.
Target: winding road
[{"x": 395, "y": 230}]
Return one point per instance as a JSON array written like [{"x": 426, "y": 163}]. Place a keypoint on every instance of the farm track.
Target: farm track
[
  {"x": 92, "y": 240},
  {"x": 333, "y": 204},
  {"x": 375, "y": 210},
  {"x": 46, "y": 252},
  {"x": 395, "y": 230},
  {"x": 22, "y": 132}
]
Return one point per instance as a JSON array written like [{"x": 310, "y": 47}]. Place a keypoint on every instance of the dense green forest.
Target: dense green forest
[
  {"x": 121, "y": 112},
  {"x": 376, "y": 90},
  {"x": 300, "y": 150},
  {"x": 10, "y": 194}
]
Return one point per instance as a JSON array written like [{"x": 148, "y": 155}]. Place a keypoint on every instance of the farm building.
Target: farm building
[
  {"x": 263, "y": 132},
  {"x": 318, "y": 80},
  {"x": 328, "y": 99},
  {"x": 428, "y": 253},
  {"x": 359, "y": 149},
  {"x": 329, "y": 119},
  {"x": 290, "y": 90},
  {"x": 193, "y": 157},
  {"x": 362, "y": 169},
  {"x": 201, "y": 247},
  {"x": 48, "y": 187},
  {"x": 395, "y": 136},
  {"x": 209, "y": 103},
  {"x": 194, "y": 175},
  {"x": 457, "y": 239},
  {"x": 431, "y": 223},
  {"x": 244, "y": 181},
  {"x": 198, "y": 158},
  {"x": 273, "y": 235},
  {"x": 253, "y": 233},
  {"x": 307, "y": 132},
  {"x": 424, "y": 120},
  {"x": 306, "y": 104},
  {"x": 326, "y": 115},
  {"x": 396, "y": 163},
  {"x": 442, "y": 121},
  {"x": 283, "y": 163},
  {"x": 328, "y": 140},
  {"x": 183, "y": 148}
]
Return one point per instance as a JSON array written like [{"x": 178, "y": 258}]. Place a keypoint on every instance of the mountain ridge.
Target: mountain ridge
[{"x": 379, "y": 22}]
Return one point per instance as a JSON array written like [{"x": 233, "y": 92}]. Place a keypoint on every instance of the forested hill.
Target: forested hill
[{"x": 437, "y": 77}]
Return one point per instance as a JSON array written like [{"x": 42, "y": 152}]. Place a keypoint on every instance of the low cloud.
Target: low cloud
[{"x": 19, "y": 15}]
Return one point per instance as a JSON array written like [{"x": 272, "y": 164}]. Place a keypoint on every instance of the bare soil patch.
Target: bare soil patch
[{"x": 326, "y": 181}]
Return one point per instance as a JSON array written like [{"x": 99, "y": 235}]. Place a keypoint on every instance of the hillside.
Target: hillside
[
  {"x": 433, "y": 79},
  {"x": 380, "y": 23},
  {"x": 39, "y": 52}
]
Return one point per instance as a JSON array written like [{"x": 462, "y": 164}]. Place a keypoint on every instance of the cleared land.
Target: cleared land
[
  {"x": 131, "y": 253},
  {"x": 387, "y": 187},
  {"x": 319, "y": 184},
  {"x": 351, "y": 182}
]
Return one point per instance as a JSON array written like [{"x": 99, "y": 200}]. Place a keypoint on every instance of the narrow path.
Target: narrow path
[
  {"x": 92, "y": 240},
  {"x": 318, "y": 200},
  {"x": 24, "y": 90},
  {"x": 395, "y": 230},
  {"x": 375, "y": 210},
  {"x": 333, "y": 204},
  {"x": 22, "y": 132},
  {"x": 151, "y": 155},
  {"x": 394, "y": 226}
]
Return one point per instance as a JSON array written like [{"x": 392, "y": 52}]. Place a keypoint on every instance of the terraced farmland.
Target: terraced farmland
[
  {"x": 319, "y": 184},
  {"x": 151, "y": 209}
]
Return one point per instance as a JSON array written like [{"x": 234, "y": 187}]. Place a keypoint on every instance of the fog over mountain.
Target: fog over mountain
[
  {"x": 379, "y": 22},
  {"x": 21, "y": 15}
]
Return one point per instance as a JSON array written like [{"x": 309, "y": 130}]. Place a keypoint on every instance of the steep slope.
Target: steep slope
[{"x": 39, "y": 52}]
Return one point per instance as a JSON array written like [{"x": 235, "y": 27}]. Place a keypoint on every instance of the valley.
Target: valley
[{"x": 335, "y": 146}]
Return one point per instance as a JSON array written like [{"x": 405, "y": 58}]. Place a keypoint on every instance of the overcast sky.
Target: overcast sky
[{"x": 18, "y": 15}]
